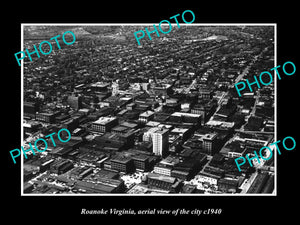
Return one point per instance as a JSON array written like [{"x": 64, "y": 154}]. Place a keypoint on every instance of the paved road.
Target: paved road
[
  {"x": 248, "y": 67},
  {"x": 243, "y": 73}
]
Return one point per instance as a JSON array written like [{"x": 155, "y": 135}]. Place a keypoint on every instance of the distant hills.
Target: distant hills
[
  {"x": 120, "y": 33},
  {"x": 48, "y": 31},
  {"x": 53, "y": 30},
  {"x": 44, "y": 32}
]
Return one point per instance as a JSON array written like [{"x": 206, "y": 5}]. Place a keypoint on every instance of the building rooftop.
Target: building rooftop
[
  {"x": 216, "y": 123},
  {"x": 162, "y": 178},
  {"x": 46, "y": 113},
  {"x": 179, "y": 130},
  {"x": 161, "y": 131},
  {"x": 94, "y": 188},
  {"x": 170, "y": 160},
  {"x": 141, "y": 157},
  {"x": 104, "y": 120},
  {"x": 147, "y": 113},
  {"x": 138, "y": 189},
  {"x": 210, "y": 136},
  {"x": 152, "y": 124},
  {"x": 121, "y": 158},
  {"x": 128, "y": 124},
  {"x": 188, "y": 188},
  {"x": 100, "y": 84},
  {"x": 185, "y": 114},
  {"x": 120, "y": 128}
]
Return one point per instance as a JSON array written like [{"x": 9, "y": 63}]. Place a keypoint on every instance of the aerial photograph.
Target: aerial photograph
[{"x": 162, "y": 117}]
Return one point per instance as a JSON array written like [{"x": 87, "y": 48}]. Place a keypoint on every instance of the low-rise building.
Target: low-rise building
[
  {"x": 163, "y": 169},
  {"x": 61, "y": 166},
  {"x": 228, "y": 185},
  {"x": 210, "y": 175},
  {"x": 46, "y": 117},
  {"x": 160, "y": 181},
  {"x": 122, "y": 163},
  {"x": 104, "y": 124},
  {"x": 146, "y": 116},
  {"x": 141, "y": 162}
]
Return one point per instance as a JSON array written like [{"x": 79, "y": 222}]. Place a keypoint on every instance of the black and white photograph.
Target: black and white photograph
[
  {"x": 171, "y": 112},
  {"x": 163, "y": 117}
]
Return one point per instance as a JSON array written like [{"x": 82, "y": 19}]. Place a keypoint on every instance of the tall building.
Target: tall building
[
  {"x": 209, "y": 143},
  {"x": 160, "y": 140},
  {"x": 147, "y": 136},
  {"x": 115, "y": 88},
  {"x": 199, "y": 110},
  {"x": 75, "y": 102}
]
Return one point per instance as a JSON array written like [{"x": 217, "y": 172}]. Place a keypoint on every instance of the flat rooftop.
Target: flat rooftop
[
  {"x": 161, "y": 131},
  {"x": 186, "y": 114},
  {"x": 170, "y": 160},
  {"x": 104, "y": 120},
  {"x": 162, "y": 178},
  {"x": 216, "y": 123},
  {"x": 210, "y": 136},
  {"x": 121, "y": 159},
  {"x": 100, "y": 84},
  {"x": 147, "y": 113},
  {"x": 179, "y": 130}
]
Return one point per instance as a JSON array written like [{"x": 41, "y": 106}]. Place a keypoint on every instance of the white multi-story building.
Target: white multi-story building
[
  {"x": 160, "y": 140},
  {"x": 163, "y": 169},
  {"x": 147, "y": 136}
]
